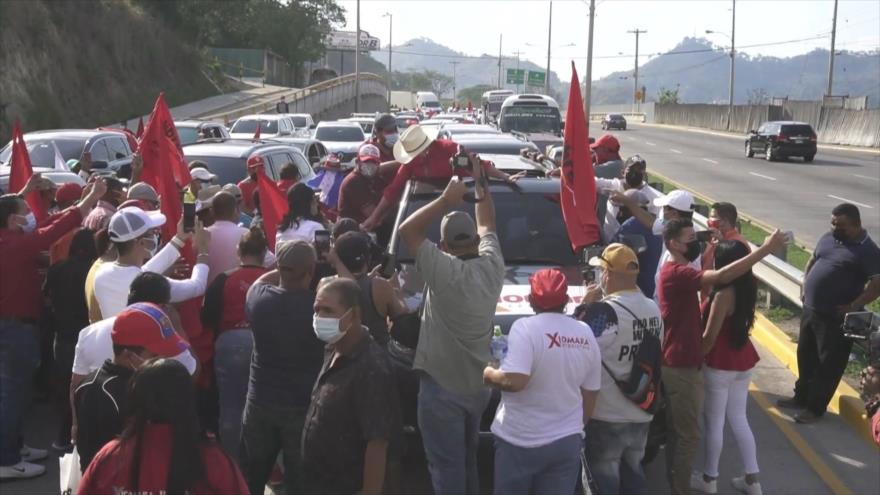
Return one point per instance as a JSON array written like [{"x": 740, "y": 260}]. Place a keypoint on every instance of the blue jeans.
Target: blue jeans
[
  {"x": 450, "y": 427},
  {"x": 232, "y": 361},
  {"x": 19, "y": 358},
  {"x": 614, "y": 454},
  {"x": 551, "y": 468}
]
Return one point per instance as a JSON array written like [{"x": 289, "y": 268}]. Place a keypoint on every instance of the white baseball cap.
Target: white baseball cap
[
  {"x": 132, "y": 222},
  {"x": 678, "y": 199},
  {"x": 202, "y": 174}
]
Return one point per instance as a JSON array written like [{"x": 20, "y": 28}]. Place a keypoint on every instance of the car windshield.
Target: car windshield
[
  {"x": 797, "y": 130},
  {"x": 229, "y": 170},
  {"x": 615, "y": 117},
  {"x": 250, "y": 126},
  {"x": 530, "y": 119},
  {"x": 340, "y": 133},
  {"x": 530, "y": 228},
  {"x": 431, "y": 104},
  {"x": 299, "y": 122},
  {"x": 496, "y": 147},
  {"x": 188, "y": 135},
  {"x": 42, "y": 153}
]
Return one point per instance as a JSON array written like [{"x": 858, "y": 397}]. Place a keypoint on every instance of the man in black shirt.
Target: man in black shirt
[
  {"x": 354, "y": 413},
  {"x": 281, "y": 106},
  {"x": 141, "y": 331},
  {"x": 286, "y": 360}
]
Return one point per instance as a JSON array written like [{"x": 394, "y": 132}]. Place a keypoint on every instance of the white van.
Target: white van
[{"x": 428, "y": 102}]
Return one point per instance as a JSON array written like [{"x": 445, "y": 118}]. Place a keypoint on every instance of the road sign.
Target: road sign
[
  {"x": 345, "y": 40},
  {"x": 516, "y": 76},
  {"x": 536, "y": 78}
]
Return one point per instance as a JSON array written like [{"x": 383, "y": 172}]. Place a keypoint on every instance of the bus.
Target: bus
[{"x": 491, "y": 104}]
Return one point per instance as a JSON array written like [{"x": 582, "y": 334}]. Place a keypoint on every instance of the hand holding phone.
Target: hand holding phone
[
  {"x": 322, "y": 241},
  {"x": 704, "y": 236},
  {"x": 189, "y": 217}
]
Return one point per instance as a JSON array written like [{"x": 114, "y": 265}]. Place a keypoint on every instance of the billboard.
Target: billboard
[
  {"x": 536, "y": 78},
  {"x": 345, "y": 40}
]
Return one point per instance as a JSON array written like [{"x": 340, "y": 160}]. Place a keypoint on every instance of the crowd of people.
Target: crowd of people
[{"x": 227, "y": 358}]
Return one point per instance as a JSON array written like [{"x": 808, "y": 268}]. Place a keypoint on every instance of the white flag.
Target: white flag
[{"x": 60, "y": 164}]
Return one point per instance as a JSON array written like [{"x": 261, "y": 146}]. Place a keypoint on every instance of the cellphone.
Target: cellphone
[
  {"x": 461, "y": 159},
  {"x": 704, "y": 235},
  {"x": 789, "y": 237},
  {"x": 389, "y": 266},
  {"x": 189, "y": 217},
  {"x": 322, "y": 241}
]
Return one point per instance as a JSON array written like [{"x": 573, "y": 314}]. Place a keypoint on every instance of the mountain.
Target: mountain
[
  {"x": 424, "y": 54},
  {"x": 700, "y": 71}
]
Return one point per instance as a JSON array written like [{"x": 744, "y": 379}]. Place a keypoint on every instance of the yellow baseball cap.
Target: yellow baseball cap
[{"x": 617, "y": 258}]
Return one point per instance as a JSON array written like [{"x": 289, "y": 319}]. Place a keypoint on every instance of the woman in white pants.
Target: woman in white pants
[{"x": 728, "y": 315}]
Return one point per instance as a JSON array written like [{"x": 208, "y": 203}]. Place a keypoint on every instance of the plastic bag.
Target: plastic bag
[{"x": 69, "y": 472}]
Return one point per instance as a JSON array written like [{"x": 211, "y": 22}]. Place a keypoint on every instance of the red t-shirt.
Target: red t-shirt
[
  {"x": 724, "y": 355},
  {"x": 234, "y": 295},
  {"x": 678, "y": 296},
  {"x": 248, "y": 187},
  {"x": 110, "y": 471},
  {"x": 433, "y": 164},
  {"x": 359, "y": 195}
]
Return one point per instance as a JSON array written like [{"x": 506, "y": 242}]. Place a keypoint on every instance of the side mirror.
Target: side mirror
[{"x": 99, "y": 164}]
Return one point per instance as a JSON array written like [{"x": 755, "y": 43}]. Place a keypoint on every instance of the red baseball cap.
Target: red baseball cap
[
  {"x": 68, "y": 192},
  {"x": 146, "y": 325},
  {"x": 549, "y": 289},
  {"x": 255, "y": 161},
  {"x": 369, "y": 152}
]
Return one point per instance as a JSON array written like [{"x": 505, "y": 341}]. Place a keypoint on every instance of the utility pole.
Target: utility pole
[
  {"x": 831, "y": 59},
  {"x": 638, "y": 101},
  {"x": 454, "y": 64},
  {"x": 390, "y": 19},
  {"x": 732, "y": 63},
  {"x": 589, "y": 75},
  {"x": 517, "y": 53},
  {"x": 500, "y": 36},
  {"x": 549, "y": 37},
  {"x": 357, "y": 56}
]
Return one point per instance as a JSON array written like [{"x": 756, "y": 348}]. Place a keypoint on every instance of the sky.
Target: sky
[{"x": 784, "y": 28}]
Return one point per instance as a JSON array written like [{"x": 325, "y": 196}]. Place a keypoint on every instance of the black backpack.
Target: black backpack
[{"x": 643, "y": 385}]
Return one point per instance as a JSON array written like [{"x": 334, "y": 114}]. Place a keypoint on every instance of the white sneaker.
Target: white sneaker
[
  {"x": 698, "y": 483},
  {"x": 22, "y": 470},
  {"x": 30, "y": 454},
  {"x": 741, "y": 485}
]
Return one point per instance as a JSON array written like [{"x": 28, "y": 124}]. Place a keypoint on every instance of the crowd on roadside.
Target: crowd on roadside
[{"x": 277, "y": 346}]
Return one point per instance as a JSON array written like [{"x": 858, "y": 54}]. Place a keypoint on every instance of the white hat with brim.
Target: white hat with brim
[
  {"x": 678, "y": 199},
  {"x": 132, "y": 222},
  {"x": 413, "y": 141}
]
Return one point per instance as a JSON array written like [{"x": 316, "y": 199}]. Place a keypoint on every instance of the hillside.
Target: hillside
[
  {"x": 69, "y": 66},
  {"x": 702, "y": 76}
]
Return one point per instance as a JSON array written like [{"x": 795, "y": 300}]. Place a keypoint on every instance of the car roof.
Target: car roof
[
  {"x": 358, "y": 119},
  {"x": 235, "y": 148},
  {"x": 263, "y": 116},
  {"x": 471, "y": 128},
  {"x": 786, "y": 122},
  {"x": 69, "y": 134},
  {"x": 195, "y": 123},
  {"x": 527, "y": 99},
  {"x": 512, "y": 162},
  {"x": 532, "y": 185},
  {"x": 339, "y": 123}
]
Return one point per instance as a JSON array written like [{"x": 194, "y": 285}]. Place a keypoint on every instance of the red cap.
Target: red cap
[
  {"x": 68, "y": 192},
  {"x": 369, "y": 153},
  {"x": 255, "y": 161},
  {"x": 146, "y": 325},
  {"x": 607, "y": 141},
  {"x": 549, "y": 289}
]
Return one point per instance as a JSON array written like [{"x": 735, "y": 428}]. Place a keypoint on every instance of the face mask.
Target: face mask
[
  {"x": 714, "y": 223},
  {"x": 30, "y": 222},
  {"x": 603, "y": 282},
  {"x": 327, "y": 329},
  {"x": 390, "y": 139},
  {"x": 150, "y": 244},
  {"x": 693, "y": 250},
  {"x": 368, "y": 169},
  {"x": 634, "y": 178}
]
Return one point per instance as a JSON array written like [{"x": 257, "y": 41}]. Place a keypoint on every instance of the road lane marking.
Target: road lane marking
[
  {"x": 674, "y": 150},
  {"x": 762, "y": 176},
  {"x": 649, "y": 143},
  {"x": 850, "y": 201},
  {"x": 866, "y": 177},
  {"x": 713, "y": 162}
]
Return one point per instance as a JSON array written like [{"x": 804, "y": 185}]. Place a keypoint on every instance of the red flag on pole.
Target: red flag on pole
[
  {"x": 162, "y": 163},
  {"x": 578, "y": 185},
  {"x": 21, "y": 170},
  {"x": 273, "y": 205},
  {"x": 140, "y": 130},
  {"x": 257, "y": 134},
  {"x": 161, "y": 117}
]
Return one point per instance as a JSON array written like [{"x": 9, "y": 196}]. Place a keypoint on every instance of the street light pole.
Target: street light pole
[
  {"x": 390, "y": 19},
  {"x": 357, "y": 56},
  {"x": 500, "y": 37},
  {"x": 454, "y": 64},
  {"x": 638, "y": 101},
  {"x": 588, "y": 86},
  {"x": 732, "y": 63},
  {"x": 517, "y": 53},
  {"x": 549, "y": 36},
  {"x": 831, "y": 60}
]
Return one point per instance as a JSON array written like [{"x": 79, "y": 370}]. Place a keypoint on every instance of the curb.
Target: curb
[{"x": 845, "y": 403}]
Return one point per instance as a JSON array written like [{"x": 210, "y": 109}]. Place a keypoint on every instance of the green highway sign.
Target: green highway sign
[
  {"x": 516, "y": 76},
  {"x": 536, "y": 78}
]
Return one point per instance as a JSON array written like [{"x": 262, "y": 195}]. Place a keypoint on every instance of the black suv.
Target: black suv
[
  {"x": 782, "y": 139},
  {"x": 613, "y": 121}
]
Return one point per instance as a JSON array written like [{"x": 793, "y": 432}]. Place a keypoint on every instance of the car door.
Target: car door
[
  {"x": 757, "y": 139},
  {"x": 769, "y": 133},
  {"x": 120, "y": 154},
  {"x": 99, "y": 151},
  {"x": 316, "y": 152},
  {"x": 302, "y": 164},
  {"x": 277, "y": 159}
]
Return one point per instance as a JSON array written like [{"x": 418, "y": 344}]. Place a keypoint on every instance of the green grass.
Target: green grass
[
  {"x": 777, "y": 314},
  {"x": 795, "y": 255}
]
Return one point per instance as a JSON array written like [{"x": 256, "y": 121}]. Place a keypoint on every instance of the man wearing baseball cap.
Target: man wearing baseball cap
[
  {"x": 144, "y": 193},
  {"x": 248, "y": 185},
  {"x": 620, "y": 317},
  {"x": 549, "y": 381},
  {"x": 362, "y": 189},
  {"x": 142, "y": 331},
  {"x": 385, "y": 136}
]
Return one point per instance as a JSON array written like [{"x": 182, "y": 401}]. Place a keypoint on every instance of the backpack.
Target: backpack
[{"x": 643, "y": 385}]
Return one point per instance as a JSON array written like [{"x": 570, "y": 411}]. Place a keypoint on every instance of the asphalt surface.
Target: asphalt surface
[{"x": 791, "y": 195}]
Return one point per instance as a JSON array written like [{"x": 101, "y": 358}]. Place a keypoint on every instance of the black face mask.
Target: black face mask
[
  {"x": 693, "y": 250},
  {"x": 634, "y": 178}
]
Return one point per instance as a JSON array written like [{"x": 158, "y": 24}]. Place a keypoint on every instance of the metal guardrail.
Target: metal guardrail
[{"x": 635, "y": 116}]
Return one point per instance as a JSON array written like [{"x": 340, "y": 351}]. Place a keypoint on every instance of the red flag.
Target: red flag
[
  {"x": 21, "y": 170},
  {"x": 578, "y": 185},
  {"x": 257, "y": 134},
  {"x": 161, "y": 117},
  {"x": 470, "y": 106},
  {"x": 273, "y": 205},
  {"x": 161, "y": 160},
  {"x": 140, "y": 131}
]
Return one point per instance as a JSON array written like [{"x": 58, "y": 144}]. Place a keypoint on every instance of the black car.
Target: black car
[
  {"x": 613, "y": 121},
  {"x": 782, "y": 139}
]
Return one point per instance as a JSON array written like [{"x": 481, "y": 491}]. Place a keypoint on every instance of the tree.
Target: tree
[
  {"x": 440, "y": 83},
  {"x": 758, "y": 96},
  {"x": 474, "y": 94},
  {"x": 427, "y": 80},
  {"x": 665, "y": 96}
]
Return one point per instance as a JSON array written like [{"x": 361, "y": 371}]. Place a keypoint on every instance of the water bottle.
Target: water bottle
[{"x": 498, "y": 344}]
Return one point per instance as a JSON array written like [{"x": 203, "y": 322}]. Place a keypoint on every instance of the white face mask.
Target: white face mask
[
  {"x": 327, "y": 329},
  {"x": 390, "y": 139},
  {"x": 30, "y": 222},
  {"x": 151, "y": 244}
]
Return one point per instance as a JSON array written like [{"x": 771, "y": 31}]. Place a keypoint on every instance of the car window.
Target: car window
[
  {"x": 762, "y": 128},
  {"x": 278, "y": 160},
  {"x": 315, "y": 153},
  {"x": 340, "y": 133},
  {"x": 99, "y": 151},
  {"x": 188, "y": 135},
  {"x": 229, "y": 170},
  {"x": 797, "y": 130},
  {"x": 118, "y": 148},
  {"x": 305, "y": 169},
  {"x": 42, "y": 153},
  {"x": 299, "y": 122},
  {"x": 250, "y": 126}
]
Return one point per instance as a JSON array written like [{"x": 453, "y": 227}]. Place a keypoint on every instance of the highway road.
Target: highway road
[{"x": 790, "y": 195}]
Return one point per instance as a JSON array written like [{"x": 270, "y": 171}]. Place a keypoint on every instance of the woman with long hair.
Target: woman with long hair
[
  {"x": 162, "y": 449},
  {"x": 728, "y": 316},
  {"x": 303, "y": 217}
]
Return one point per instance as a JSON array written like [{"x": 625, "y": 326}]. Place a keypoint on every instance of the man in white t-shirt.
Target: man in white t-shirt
[
  {"x": 549, "y": 380},
  {"x": 618, "y": 431}
]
